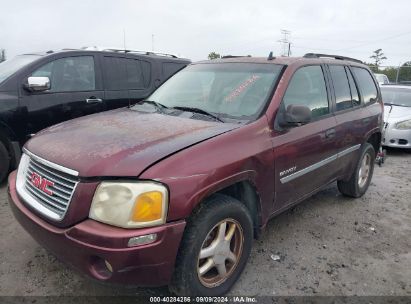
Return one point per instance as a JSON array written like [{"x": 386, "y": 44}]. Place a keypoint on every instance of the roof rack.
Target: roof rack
[
  {"x": 102, "y": 49},
  {"x": 140, "y": 52},
  {"x": 315, "y": 55},
  {"x": 234, "y": 56}
]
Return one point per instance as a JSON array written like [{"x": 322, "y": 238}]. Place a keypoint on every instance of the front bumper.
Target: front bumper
[
  {"x": 396, "y": 138},
  {"x": 87, "y": 245}
]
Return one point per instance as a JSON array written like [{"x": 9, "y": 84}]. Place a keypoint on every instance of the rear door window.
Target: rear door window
[
  {"x": 69, "y": 74},
  {"x": 354, "y": 91},
  {"x": 125, "y": 73},
  {"x": 366, "y": 84},
  {"x": 341, "y": 87},
  {"x": 134, "y": 74},
  {"x": 307, "y": 87},
  {"x": 115, "y": 73}
]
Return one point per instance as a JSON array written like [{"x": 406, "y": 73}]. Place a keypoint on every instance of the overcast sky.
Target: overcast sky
[{"x": 195, "y": 28}]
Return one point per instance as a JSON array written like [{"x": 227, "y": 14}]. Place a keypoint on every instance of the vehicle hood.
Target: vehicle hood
[
  {"x": 396, "y": 113},
  {"x": 122, "y": 142}
]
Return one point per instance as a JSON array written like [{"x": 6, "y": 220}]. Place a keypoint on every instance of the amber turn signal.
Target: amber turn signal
[{"x": 148, "y": 207}]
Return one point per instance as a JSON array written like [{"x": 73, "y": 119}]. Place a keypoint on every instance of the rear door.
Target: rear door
[
  {"x": 351, "y": 116},
  {"x": 115, "y": 81},
  {"x": 139, "y": 78},
  {"x": 305, "y": 155},
  {"x": 76, "y": 90}
]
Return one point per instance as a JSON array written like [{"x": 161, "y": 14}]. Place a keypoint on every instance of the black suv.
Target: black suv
[{"x": 40, "y": 90}]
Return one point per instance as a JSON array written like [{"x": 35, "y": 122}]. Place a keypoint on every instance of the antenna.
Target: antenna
[
  {"x": 270, "y": 56},
  {"x": 124, "y": 39},
  {"x": 152, "y": 42}
]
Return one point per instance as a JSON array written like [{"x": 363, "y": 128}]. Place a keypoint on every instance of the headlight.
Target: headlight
[
  {"x": 403, "y": 125},
  {"x": 130, "y": 205}
]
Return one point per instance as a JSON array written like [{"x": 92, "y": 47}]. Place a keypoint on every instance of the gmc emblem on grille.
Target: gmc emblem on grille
[{"x": 41, "y": 183}]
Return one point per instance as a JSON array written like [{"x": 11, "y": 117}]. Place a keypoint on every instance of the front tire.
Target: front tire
[
  {"x": 215, "y": 248},
  {"x": 358, "y": 183},
  {"x": 4, "y": 162}
]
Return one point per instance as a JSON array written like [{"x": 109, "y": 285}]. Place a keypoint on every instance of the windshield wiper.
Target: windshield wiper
[
  {"x": 199, "y": 111},
  {"x": 395, "y": 104},
  {"x": 155, "y": 103}
]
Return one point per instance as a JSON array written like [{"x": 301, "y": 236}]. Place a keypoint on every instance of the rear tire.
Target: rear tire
[
  {"x": 358, "y": 183},
  {"x": 211, "y": 258},
  {"x": 4, "y": 162}
]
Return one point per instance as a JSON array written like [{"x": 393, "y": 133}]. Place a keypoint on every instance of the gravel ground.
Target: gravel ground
[{"x": 328, "y": 245}]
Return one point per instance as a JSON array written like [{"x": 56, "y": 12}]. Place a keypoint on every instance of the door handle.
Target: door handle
[
  {"x": 330, "y": 133},
  {"x": 94, "y": 100}
]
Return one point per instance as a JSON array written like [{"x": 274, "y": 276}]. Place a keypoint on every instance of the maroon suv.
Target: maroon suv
[{"x": 174, "y": 189}]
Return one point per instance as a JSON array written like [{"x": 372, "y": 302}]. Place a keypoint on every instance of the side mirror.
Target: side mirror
[
  {"x": 38, "y": 84},
  {"x": 296, "y": 115}
]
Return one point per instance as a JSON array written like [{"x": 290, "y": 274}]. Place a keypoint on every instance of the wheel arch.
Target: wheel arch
[
  {"x": 242, "y": 188},
  {"x": 7, "y": 137},
  {"x": 375, "y": 140}
]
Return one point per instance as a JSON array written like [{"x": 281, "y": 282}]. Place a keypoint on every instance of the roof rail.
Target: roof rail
[
  {"x": 315, "y": 55},
  {"x": 140, "y": 52},
  {"x": 234, "y": 56}
]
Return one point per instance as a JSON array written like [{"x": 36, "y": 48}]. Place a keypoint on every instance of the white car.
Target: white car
[
  {"x": 382, "y": 79},
  {"x": 397, "y": 116}
]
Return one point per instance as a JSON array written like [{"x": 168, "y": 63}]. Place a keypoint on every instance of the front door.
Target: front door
[
  {"x": 305, "y": 155},
  {"x": 73, "y": 93}
]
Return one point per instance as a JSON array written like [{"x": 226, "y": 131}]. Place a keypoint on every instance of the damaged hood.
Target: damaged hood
[{"x": 122, "y": 142}]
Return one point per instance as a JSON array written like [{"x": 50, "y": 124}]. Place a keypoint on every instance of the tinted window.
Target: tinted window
[
  {"x": 341, "y": 87},
  {"x": 134, "y": 74},
  {"x": 146, "y": 68},
  {"x": 354, "y": 91},
  {"x": 115, "y": 72},
  {"x": 307, "y": 87},
  {"x": 170, "y": 68},
  {"x": 69, "y": 74},
  {"x": 366, "y": 84},
  {"x": 124, "y": 73}
]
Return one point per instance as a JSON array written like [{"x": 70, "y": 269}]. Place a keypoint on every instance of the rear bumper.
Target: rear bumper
[{"x": 87, "y": 245}]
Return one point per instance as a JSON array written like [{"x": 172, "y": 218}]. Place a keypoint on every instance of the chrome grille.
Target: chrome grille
[{"x": 45, "y": 186}]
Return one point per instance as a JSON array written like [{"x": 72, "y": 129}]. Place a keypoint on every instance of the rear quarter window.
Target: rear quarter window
[{"x": 366, "y": 85}]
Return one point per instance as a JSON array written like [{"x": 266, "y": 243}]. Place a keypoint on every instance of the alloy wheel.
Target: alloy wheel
[{"x": 220, "y": 253}]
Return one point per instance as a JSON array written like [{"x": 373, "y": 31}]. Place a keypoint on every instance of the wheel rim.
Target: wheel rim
[
  {"x": 364, "y": 171},
  {"x": 220, "y": 253}
]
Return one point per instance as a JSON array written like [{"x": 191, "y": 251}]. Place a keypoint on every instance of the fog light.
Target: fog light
[
  {"x": 142, "y": 240},
  {"x": 108, "y": 265}
]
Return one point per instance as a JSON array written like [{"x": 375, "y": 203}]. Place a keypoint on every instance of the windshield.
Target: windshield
[
  {"x": 233, "y": 90},
  {"x": 380, "y": 77},
  {"x": 9, "y": 67},
  {"x": 396, "y": 96}
]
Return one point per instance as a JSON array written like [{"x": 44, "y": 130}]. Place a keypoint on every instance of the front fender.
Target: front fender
[{"x": 182, "y": 202}]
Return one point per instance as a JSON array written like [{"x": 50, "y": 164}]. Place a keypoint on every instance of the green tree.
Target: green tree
[
  {"x": 213, "y": 55},
  {"x": 391, "y": 73},
  {"x": 378, "y": 57},
  {"x": 405, "y": 72}
]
